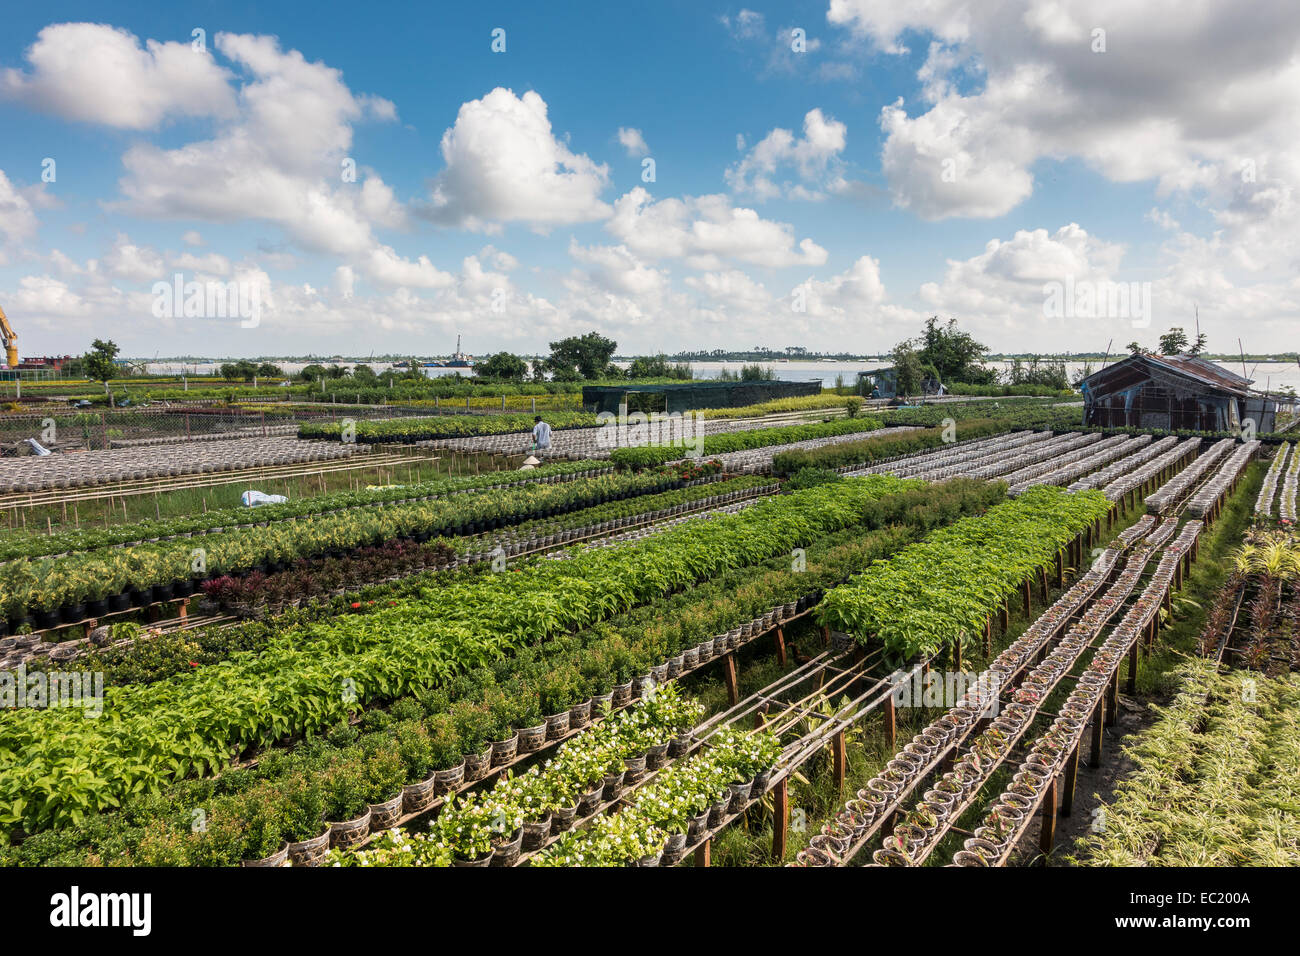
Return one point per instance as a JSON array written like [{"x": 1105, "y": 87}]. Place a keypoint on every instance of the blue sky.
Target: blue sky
[{"x": 952, "y": 160}]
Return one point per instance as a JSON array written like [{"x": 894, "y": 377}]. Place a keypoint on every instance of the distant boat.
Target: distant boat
[{"x": 459, "y": 359}]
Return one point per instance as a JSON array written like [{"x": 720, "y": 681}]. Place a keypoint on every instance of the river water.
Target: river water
[{"x": 1273, "y": 375}]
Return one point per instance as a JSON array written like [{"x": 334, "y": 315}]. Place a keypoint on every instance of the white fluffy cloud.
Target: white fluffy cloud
[
  {"x": 17, "y": 218},
  {"x": 126, "y": 260},
  {"x": 618, "y": 270},
  {"x": 503, "y": 164},
  {"x": 706, "y": 231},
  {"x": 1183, "y": 95},
  {"x": 44, "y": 297},
  {"x": 630, "y": 138},
  {"x": 95, "y": 73},
  {"x": 814, "y": 159},
  {"x": 1000, "y": 292},
  {"x": 280, "y": 158}
]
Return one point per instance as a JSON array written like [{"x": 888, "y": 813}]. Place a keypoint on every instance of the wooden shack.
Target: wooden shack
[{"x": 1174, "y": 392}]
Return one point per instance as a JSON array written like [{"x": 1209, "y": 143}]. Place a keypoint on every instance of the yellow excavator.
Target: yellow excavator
[{"x": 10, "y": 338}]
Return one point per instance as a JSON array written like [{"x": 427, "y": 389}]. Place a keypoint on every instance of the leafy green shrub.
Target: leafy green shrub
[{"x": 811, "y": 477}]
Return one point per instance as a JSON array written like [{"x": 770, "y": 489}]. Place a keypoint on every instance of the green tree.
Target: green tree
[
  {"x": 587, "y": 356},
  {"x": 648, "y": 366},
  {"x": 99, "y": 363},
  {"x": 955, "y": 355},
  {"x": 1173, "y": 342},
  {"x": 270, "y": 370},
  {"x": 908, "y": 369},
  {"x": 312, "y": 373},
  {"x": 243, "y": 370},
  {"x": 503, "y": 366}
]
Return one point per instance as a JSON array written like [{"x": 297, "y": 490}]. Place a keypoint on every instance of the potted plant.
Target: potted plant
[
  {"x": 346, "y": 805},
  {"x": 473, "y": 726},
  {"x": 304, "y": 826},
  {"x": 558, "y": 690},
  {"x": 263, "y": 842},
  {"x": 385, "y": 776},
  {"x": 416, "y": 747},
  {"x": 532, "y": 732}
]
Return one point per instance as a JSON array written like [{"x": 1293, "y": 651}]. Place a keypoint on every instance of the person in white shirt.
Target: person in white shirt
[{"x": 541, "y": 434}]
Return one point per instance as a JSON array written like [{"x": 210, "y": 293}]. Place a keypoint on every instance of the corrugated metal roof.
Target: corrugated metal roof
[
  {"x": 1193, "y": 367},
  {"x": 1198, "y": 367}
]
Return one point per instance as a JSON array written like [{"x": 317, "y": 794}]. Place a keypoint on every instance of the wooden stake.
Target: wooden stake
[
  {"x": 729, "y": 675},
  {"x": 1047, "y": 835},
  {"x": 1071, "y": 774},
  {"x": 1098, "y": 726},
  {"x": 780, "y": 818}
]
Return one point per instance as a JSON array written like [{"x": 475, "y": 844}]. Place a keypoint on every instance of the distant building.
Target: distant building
[
  {"x": 50, "y": 362},
  {"x": 1174, "y": 392}
]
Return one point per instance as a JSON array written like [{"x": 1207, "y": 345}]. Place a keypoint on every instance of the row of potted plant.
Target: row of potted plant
[
  {"x": 874, "y": 801},
  {"x": 1286, "y": 507},
  {"x": 1023, "y": 460},
  {"x": 1163, "y": 532},
  {"x": 649, "y": 456},
  {"x": 682, "y": 804},
  {"x": 889, "y": 445},
  {"x": 612, "y": 516},
  {"x": 166, "y": 730},
  {"x": 189, "y": 526},
  {"x": 931, "y": 593},
  {"x": 1164, "y": 497},
  {"x": 1041, "y": 472},
  {"x": 1268, "y": 489},
  {"x": 1213, "y": 491},
  {"x": 1013, "y": 809},
  {"x": 959, "y": 457},
  {"x": 1104, "y": 476},
  {"x": 1138, "y": 477},
  {"x": 1071, "y": 467},
  {"x": 1137, "y": 530},
  {"x": 518, "y": 813},
  {"x": 921, "y": 830},
  {"x": 1019, "y": 412},
  {"x": 52, "y": 591},
  {"x": 435, "y": 427},
  {"x": 315, "y": 579}
]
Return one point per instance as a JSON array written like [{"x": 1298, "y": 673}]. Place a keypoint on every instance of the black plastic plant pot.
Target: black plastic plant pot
[
  {"x": 97, "y": 608},
  {"x": 72, "y": 613},
  {"x": 162, "y": 592},
  {"x": 120, "y": 602},
  {"x": 183, "y": 587},
  {"x": 46, "y": 620},
  {"x": 4, "y": 627}
]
